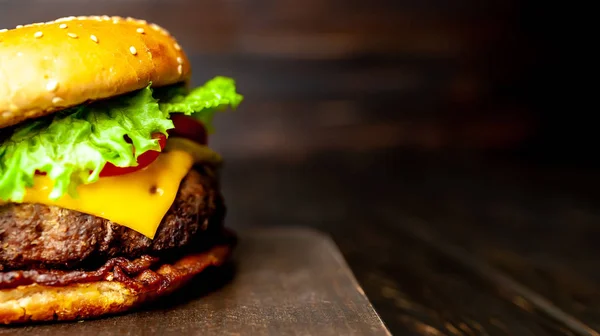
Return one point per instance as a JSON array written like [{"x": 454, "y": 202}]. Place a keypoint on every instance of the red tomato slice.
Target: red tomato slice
[
  {"x": 143, "y": 160},
  {"x": 185, "y": 127},
  {"x": 189, "y": 128}
]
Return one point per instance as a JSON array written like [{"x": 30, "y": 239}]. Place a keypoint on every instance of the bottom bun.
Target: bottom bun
[{"x": 77, "y": 301}]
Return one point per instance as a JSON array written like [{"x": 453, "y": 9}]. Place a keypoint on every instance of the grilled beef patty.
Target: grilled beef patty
[{"x": 40, "y": 236}]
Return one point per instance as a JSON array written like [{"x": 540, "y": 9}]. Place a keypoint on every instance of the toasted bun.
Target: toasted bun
[
  {"x": 50, "y": 66},
  {"x": 88, "y": 300}
]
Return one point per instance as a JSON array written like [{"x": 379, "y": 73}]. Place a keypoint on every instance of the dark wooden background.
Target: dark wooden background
[{"x": 440, "y": 143}]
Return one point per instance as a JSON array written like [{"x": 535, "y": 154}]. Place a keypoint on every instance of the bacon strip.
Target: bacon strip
[{"x": 144, "y": 273}]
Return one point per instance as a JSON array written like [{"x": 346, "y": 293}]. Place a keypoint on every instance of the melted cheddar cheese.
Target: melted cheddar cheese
[{"x": 137, "y": 200}]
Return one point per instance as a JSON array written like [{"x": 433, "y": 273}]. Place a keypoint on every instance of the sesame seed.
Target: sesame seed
[
  {"x": 179, "y": 60},
  {"x": 94, "y": 38},
  {"x": 132, "y": 50},
  {"x": 19, "y": 26},
  {"x": 38, "y": 34},
  {"x": 63, "y": 26},
  {"x": 177, "y": 46},
  {"x": 155, "y": 27},
  {"x": 52, "y": 85},
  {"x": 57, "y": 100},
  {"x": 3, "y": 30},
  {"x": 142, "y": 22},
  {"x": 72, "y": 35},
  {"x": 6, "y": 114},
  {"x": 180, "y": 69},
  {"x": 140, "y": 30}
]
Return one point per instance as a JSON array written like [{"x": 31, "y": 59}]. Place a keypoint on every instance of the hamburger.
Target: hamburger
[{"x": 109, "y": 193}]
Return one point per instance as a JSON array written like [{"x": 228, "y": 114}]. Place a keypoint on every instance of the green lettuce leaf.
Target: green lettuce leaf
[
  {"x": 73, "y": 146},
  {"x": 210, "y": 98}
]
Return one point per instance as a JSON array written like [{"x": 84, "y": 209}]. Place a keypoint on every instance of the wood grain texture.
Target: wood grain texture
[
  {"x": 432, "y": 239},
  {"x": 285, "y": 282}
]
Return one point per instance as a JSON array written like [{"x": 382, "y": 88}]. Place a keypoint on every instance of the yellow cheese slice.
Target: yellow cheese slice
[{"x": 137, "y": 200}]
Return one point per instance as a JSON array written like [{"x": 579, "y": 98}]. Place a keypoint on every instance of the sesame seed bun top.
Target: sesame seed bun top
[{"x": 47, "y": 67}]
